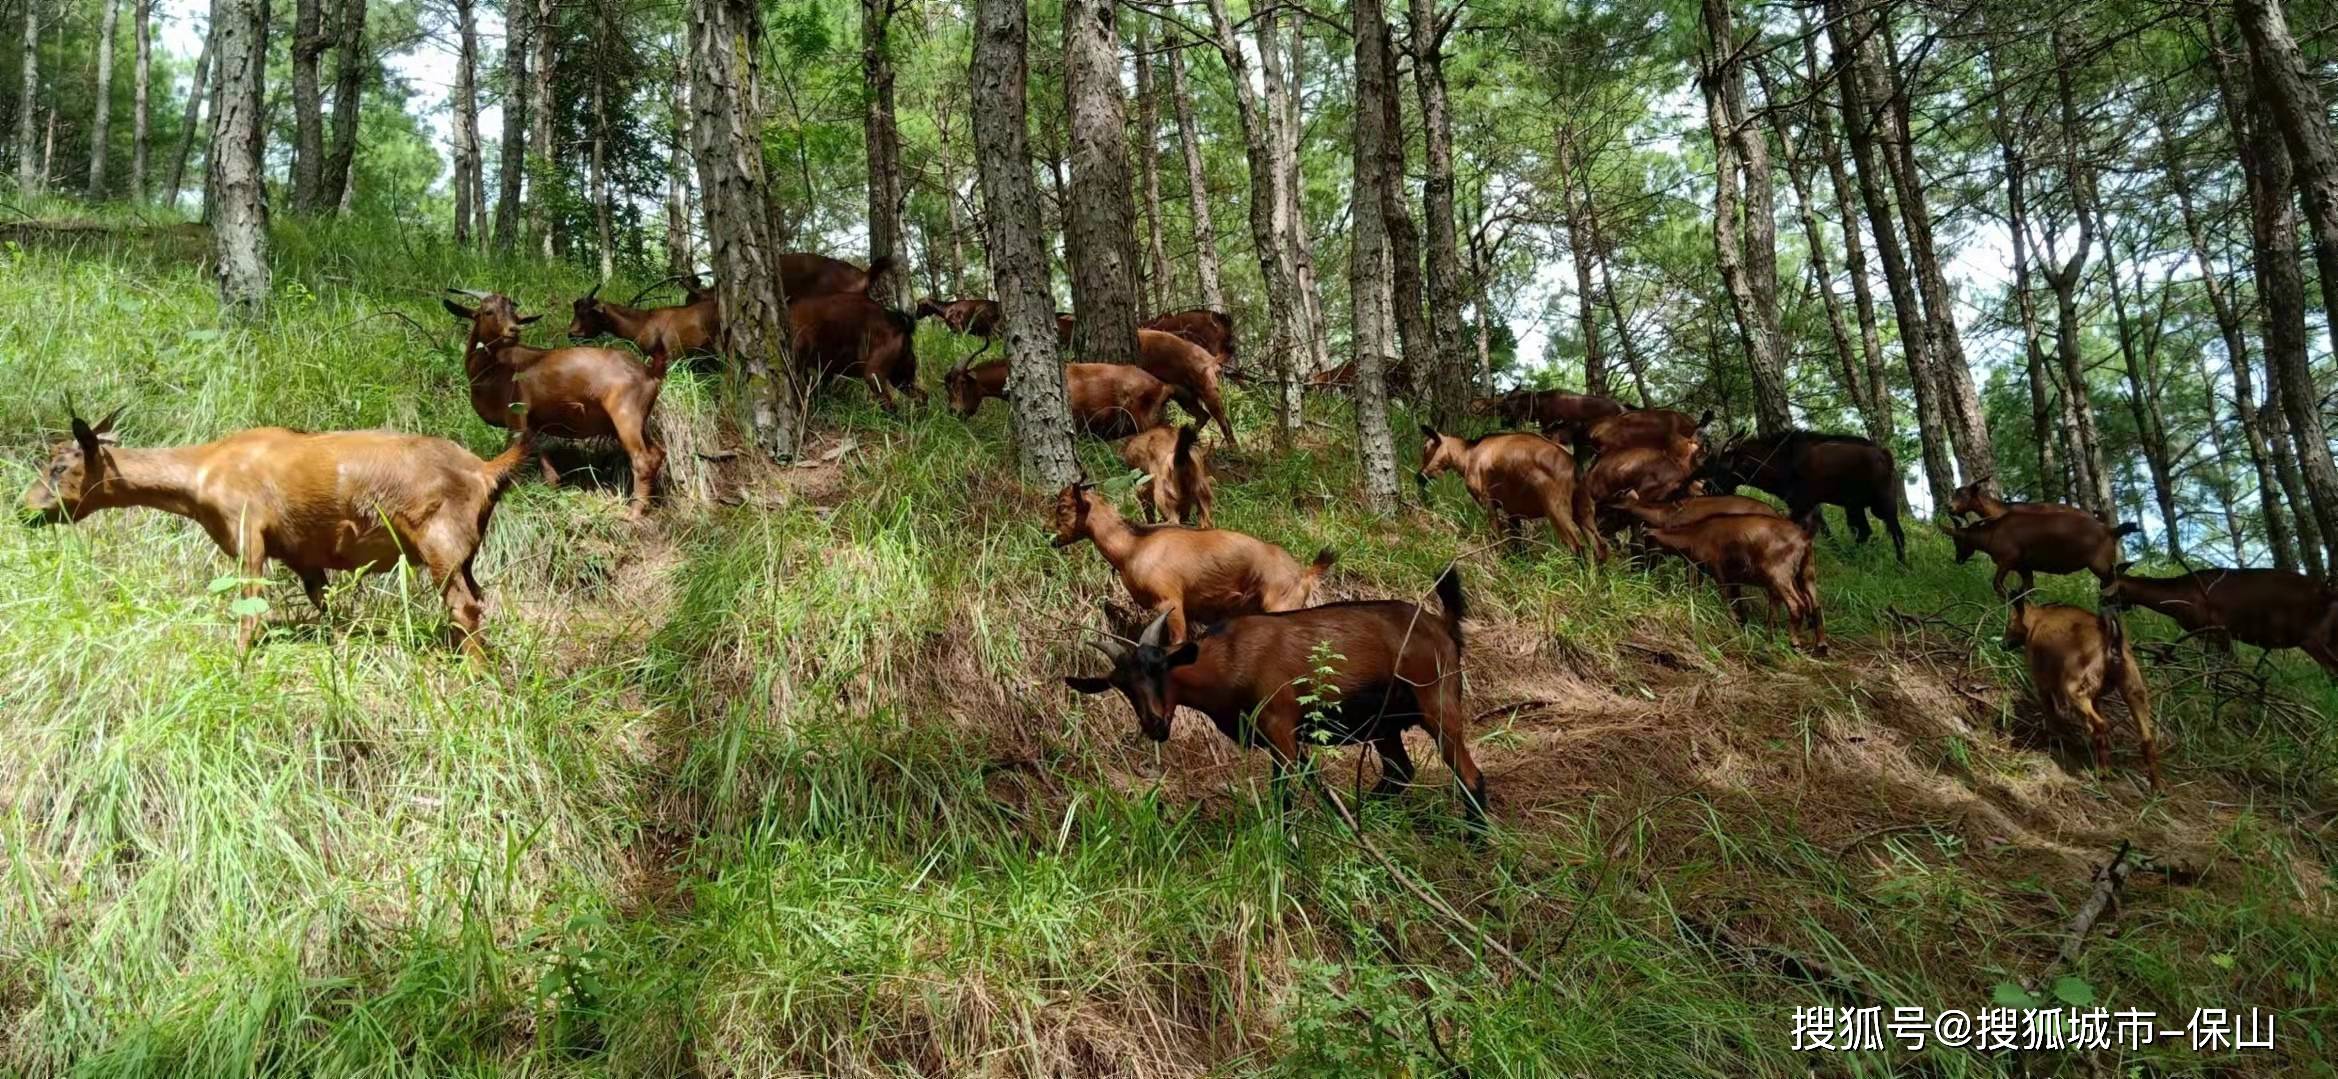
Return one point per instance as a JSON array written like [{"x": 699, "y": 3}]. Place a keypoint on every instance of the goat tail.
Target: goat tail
[
  {"x": 1456, "y": 605},
  {"x": 2114, "y": 647},
  {"x": 503, "y": 468},
  {"x": 1312, "y": 576},
  {"x": 2128, "y": 528}
]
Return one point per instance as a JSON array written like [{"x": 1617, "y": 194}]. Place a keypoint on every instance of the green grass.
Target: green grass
[{"x": 791, "y": 788}]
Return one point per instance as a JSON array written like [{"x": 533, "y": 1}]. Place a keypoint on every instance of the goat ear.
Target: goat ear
[
  {"x": 458, "y": 310},
  {"x": 1428, "y": 431},
  {"x": 86, "y": 436},
  {"x": 1184, "y": 654},
  {"x": 1085, "y": 684},
  {"x": 2121, "y": 569},
  {"x": 106, "y": 425}
]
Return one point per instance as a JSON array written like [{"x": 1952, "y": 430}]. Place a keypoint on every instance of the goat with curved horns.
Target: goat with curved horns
[{"x": 1399, "y": 667}]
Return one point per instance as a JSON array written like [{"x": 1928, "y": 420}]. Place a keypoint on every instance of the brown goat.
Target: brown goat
[
  {"x": 341, "y": 500},
  {"x": 805, "y": 275},
  {"x": 2044, "y": 540},
  {"x": 1655, "y": 474},
  {"x": 1692, "y": 509},
  {"x": 848, "y": 335},
  {"x": 1399, "y": 667},
  {"x": 1212, "y": 330},
  {"x": 1107, "y": 400},
  {"x": 1177, "y": 473},
  {"x": 980, "y": 318},
  {"x": 1974, "y": 499},
  {"x": 1810, "y": 469},
  {"x": 1189, "y": 574},
  {"x": 1516, "y": 477},
  {"x": 1191, "y": 373},
  {"x": 662, "y": 331},
  {"x": 2269, "y": 608},
  {"x": 2075, "y": 657},
  {"x": 575, "y": 392},
  {"x": 1652, "y": 427},
  {"x": 1764, "y": 551},
  {"x": 1547, "y": 408}
]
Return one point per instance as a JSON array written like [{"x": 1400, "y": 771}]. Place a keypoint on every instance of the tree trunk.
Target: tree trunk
[
  {"x": 187, "y": 124},
  {"x": 1018, "y": 257},
  {"x": 239, "y": 214},
  {"x": 1848, "y": 32},
  {"x": 2089, "y": 473},
  {"x": 604, "y": 240},
  {"x": 1159, "y": 288},
  {"x": 309, "y": 42},
  {"x": 1580, "y": 248},
  {"x": 1847, "y": 361},
  {"x": 348, "y": 92},
  {"x": 1878, "y": 381},
  {"x": 1299, "y": 328},
  {"x": 948, "y": 162},
  {"x": 28, "y": 126},
  {"x": 680, "y": 256},
  {"x": 1414, "y": 338},
  {"x": 883, "y": 138},
  {"x": 2231, "y": 331},
  {"x": 1615, "y": 303},
  {"x": 1099, "y": 239},
  {"x": 465, "y": 104},
  {"x": 2286, "y": 84},
  {"x": 2045, "y": 423},
  {"x": 2265, "y": 161},
  {"x": 1959, "y": 400},
  {"x": 102, "y": 99},
  {"x": 1746, "y": 246},
  {"x": 543, "y": 156},
  {"x": 1284, "y": 311},
  {"x": 1368, "y": 268},
  {"x": 1285, "y": 87},
  {"x": 1197, "y": 187},
  {"x": 141, "y": 83},
  {"x": 1449, "y": 378},
  {"x": 2143, "y": 404},
  {"x": 519, "y": 27},
  {"x": 726, "y": 47}
]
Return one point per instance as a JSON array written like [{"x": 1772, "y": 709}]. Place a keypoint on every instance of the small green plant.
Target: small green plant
[{"x": 1319, "y": 695}]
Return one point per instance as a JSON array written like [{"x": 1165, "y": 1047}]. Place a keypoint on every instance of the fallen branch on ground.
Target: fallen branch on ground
[{"x": 2106, "y": 891}]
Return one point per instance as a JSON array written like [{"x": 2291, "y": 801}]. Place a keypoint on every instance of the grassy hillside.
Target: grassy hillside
[{"x": 782, "y": 780}]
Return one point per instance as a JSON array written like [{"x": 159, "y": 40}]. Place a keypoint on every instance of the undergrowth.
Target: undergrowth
[{"x": 784, "y": 782}]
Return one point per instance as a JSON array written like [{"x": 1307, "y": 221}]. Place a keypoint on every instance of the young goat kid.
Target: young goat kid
[
  {"x": 1516, "y": 477},
  {"x": 2075, "y": 657},
  {"x": 1399, "y": 666},
  {"x": 341, "y": 500},
  {"x": 1187, "y": 574},
  {"x": 575, "y": 392},
  {"x": 1177, "y": 474},
  {"x": 1759, "y": 550}
]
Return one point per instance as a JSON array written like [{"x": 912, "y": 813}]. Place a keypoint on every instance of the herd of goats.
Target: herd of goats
[{"x": 1234, "y": 633}]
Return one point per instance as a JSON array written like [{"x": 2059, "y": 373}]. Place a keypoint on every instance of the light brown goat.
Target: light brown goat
[
  {"x": 1653, "y": 427},
  {"x": 2043, "y": 539},
  {"x": 1191, "y": 373},
  {"x": 575, "y": 392},
  {"x": 1516, "y": 477},
  {"x": 341, "y": 500},
  {"x": 1177, "y": 473},
  {"x": 694, "y": 327},
  {"x": 1189, "y": 574},
  {"x": 1107, "y": 400},
  {"x": 1692, "y": 509},
  {"x": 2075, "y": 657},
  {"x": 1764, "y": 551}
]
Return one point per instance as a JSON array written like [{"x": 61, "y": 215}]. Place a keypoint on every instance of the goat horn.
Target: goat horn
[
  {"x": 1154, "y": 631},
  {"x": 106, "y": 425},
  {"x": 471, "y": 292},
  {"x": 596, "y": 290}
]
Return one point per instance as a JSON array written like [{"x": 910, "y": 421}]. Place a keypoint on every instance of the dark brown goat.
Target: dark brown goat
[
  {"x": 1516, "y": 477},
  {"x": 805, "y": 275},
  {"x": 1188, "y": 574},
  {"x": 2269, "y": 608},
  {"x": 1808, "y": 470},
  {"x": 1759, "y": 550},
  {"x": 980, "y": 318},
  {"x": 1974, "y": 499},
  {"x": 668, "y": 331},
  {"x": 1547, "y": 408},
  {"x": 341, "y": 500},
  {"x": 1399, "y": 666},
  {"x": 848, "y": 335},
  {"x": 2064, "y": 540},
  {"x": 2075, "y": 657},
  {"x": 1107, "y": 400},
  {"x": 1212, "y": 330},
  {"x": 1177, "y": 473},
  {"x": 575, "y": 392}
]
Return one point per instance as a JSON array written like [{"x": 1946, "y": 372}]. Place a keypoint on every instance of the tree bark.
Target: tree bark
[
  {"x": 2143, "y": 405},
  {"x": 1414, "y": 338},
  {"x": 1368, "y": 267},
  {"x": 141, "y": 83},
  {"x": 28, "y": 128},
  {"x": 1284, "y": 85},
  {"x": 1099, "y": 239},
  {"x": 2089, "y": 474},
  {"x": 239, "y": 213},
  {"x": 1581, "y": 248},
  {"x": 726, "y": 47},
  {"x": 309, "y": 42},
  {"x": 2286, "y": 84},
  {"x": 604, "y": 240},
  {"x": 196, "y": 95},
  {"x": 543, "y": 156},
  {"x": 348, "y": 91},
  {"x": 1745, "y": 226},
  {"x": 2045, "y": 425},
  {"x": 883, "y": 138},
  {"x": 1197, "y": 187},
  {"x": 1615, "y": 303},
  {"x": 1847, "y": 361},
  {"x": 1159, "y": 288},
  {"x": 519, "y": 29},
  {"x": 465, "y": 104},
  {"x": 1848, "y": 31},
  {"x": 1284, "y": 311},
  {"x": 1878, "y": 381},
  {"x": 681, "y": 258},
  {"x": 102, "y": 99},
  {"x": 1018, "y": 257},
  {"x": 1449, "y": 378}
]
